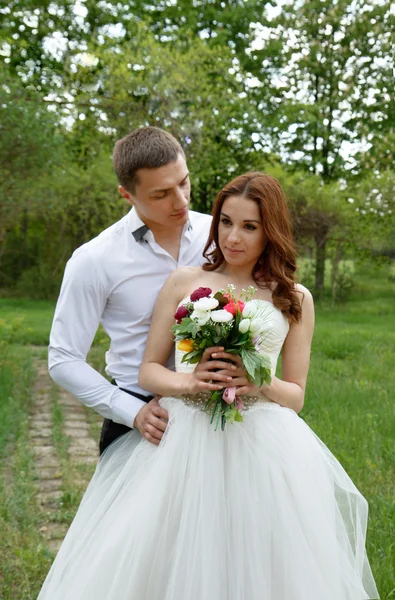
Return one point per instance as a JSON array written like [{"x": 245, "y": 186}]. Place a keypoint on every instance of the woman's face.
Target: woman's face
[{"x": 240, "y": 232}]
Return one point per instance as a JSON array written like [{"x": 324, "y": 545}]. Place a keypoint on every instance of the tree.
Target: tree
[
  {"x": 29, "y": 149},
  {"x": 317, "y": 210},
  {"x": 189, "y": 92},
  {"x": 330, "y": 75}
]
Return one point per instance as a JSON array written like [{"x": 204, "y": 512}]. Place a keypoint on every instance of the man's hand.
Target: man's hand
[{"x": 151, "y": 421}]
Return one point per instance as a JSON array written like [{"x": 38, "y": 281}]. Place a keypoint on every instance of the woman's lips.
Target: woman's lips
[{"x": 234, "y": 251}]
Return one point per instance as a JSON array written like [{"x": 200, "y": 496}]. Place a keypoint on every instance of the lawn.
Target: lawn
[{"x": 348, "y": 404}]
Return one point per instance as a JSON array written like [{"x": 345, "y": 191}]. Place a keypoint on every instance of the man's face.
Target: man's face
[{"x": 161, "y": 197}]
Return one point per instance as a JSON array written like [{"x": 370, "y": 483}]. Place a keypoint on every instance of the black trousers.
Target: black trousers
[{"x": 110, "y": 430}]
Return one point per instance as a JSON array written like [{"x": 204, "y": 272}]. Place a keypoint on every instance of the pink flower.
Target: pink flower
[
  {"x": 200, "y": 293},
  {"x": 233, "y": 307},
  {"x": 181, "y": 312},
  {"x": 239, "y": 403},
  {"x": 229, "y": 395}
]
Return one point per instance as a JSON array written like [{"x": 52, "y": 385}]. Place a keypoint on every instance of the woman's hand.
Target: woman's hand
[
  {"x": 209, "y": 375},
  {"x": 244, "y": 387}
]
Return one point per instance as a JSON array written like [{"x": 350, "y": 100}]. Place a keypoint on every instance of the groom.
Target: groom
[{"x": 115, "y": 278}]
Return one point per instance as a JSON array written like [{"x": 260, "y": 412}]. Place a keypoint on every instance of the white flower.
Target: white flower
[
  {"x": 201, "y": 316},
  {"x": 206, "y": 304},
  {"x": 256, "y": 326},
  {"x": 221, "y": 316},
  {"x": 244, "y": 325},
  {"x": 249, "y": 310}
]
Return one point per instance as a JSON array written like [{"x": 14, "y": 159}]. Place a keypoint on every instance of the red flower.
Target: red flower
[
  {"x": 233, "y": 307},
  {"x": 241, "y": 305},
  {"x": 200, "y": 293},
  {"x": 181, "y": 313}
]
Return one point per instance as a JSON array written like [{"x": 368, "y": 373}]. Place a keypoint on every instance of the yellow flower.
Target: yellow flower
[{"x": 185, "y": 345}]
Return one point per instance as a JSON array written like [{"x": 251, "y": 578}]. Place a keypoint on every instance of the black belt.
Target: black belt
[
  {"x": 136, "y": 394},
  {"x": 110, "y": 430}
]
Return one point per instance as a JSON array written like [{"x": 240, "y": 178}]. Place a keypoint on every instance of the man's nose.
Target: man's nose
[{"x": 180, "y": 200}]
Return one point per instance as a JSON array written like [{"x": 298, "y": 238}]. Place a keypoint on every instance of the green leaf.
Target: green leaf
[
  {"x": 205, "y": 343},
  {"x": 219, "y": 411},
  {"x": 230, "y": 413},
  {"x": 192, "y": 357},
  {"x": 216, "y": 403},
  {"x": 250, "y": 362},
  {"x": 221, "y": 299},
  {"x": 193, "y": 328},
  {"x": 257, "y": 365}
]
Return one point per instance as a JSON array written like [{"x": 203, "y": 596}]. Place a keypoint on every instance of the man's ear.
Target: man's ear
[{"x": 125, "y": 194}]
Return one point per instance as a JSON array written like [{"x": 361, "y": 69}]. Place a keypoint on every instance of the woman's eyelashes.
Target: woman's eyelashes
[{"x": 247, "y": 226}]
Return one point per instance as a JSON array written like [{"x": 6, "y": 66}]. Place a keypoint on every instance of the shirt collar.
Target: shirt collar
[
  {"x": 139, "y": 233},
  {"x": 138, "y": 228},
  {"x": 188, "y": 228}
]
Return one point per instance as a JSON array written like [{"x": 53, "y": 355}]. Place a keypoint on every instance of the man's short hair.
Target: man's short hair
[{"x": 144, "y": 148}]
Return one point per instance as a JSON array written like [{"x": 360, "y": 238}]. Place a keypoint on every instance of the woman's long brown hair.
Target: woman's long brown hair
[{"x": 277, "y": 263}]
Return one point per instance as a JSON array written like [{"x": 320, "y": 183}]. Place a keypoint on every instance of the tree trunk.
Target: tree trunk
[
  {"x": 335, "y": 270},
  {"x": 24, "y": 262},
  {"x": 320, "y": 265}
]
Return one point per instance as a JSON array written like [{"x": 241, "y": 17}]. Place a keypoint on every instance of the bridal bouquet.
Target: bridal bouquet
[{"x": 220, "y": 319}]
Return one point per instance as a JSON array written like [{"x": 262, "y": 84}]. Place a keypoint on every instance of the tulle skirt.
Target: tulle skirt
[{"x": 261, "y": 511}]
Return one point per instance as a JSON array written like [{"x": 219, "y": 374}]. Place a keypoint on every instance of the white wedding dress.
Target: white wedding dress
[{"x": 260, "y": 511}]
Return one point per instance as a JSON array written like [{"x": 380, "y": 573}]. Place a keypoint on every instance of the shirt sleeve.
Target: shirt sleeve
[{"x": 78, "y": 313}]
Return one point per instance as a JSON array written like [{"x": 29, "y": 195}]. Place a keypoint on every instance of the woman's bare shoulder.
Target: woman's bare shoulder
[{"x": 303, "y": 293}]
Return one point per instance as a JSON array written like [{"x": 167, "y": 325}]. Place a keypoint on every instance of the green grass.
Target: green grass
[
  {"x": 71, "y": 473},
  {"x": 349, "y": 404},
  {"x": 26, "y": 321},
  {"x": 24, "y": 559}
]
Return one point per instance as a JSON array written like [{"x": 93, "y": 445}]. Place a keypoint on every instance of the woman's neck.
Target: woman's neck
[{"x": 237, "y": 274}]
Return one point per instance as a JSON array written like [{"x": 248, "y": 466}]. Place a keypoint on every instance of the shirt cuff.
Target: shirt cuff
[{"x": 125, "y": 407}]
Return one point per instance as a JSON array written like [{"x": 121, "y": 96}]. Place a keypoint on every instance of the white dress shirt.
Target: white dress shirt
[{"x": 115, "y": 279}]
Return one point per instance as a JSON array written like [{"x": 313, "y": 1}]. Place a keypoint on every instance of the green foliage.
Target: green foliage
[
  {"x": 325, "y": 76},
  {"x": 234, "y": 81},
  {"x": 257, "y": 366},
  {"x": 10, "y": 330},
  {"x": 29, "y": 148},
  {"x": 344, "y": 282}
]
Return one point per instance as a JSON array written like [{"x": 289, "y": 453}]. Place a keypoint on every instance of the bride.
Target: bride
[{"x": 261, "y": 510}]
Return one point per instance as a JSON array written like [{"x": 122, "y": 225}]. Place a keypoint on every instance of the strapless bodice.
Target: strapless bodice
[{"x": 275, "y": 329}]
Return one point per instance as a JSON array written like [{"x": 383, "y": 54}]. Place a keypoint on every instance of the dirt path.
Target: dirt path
[{"x": 64, "y": 449}]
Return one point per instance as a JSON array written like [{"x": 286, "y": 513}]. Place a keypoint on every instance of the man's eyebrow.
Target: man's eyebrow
[
  {"x": 156, "y": 190},
  {"x": 245, "y": 220}
]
